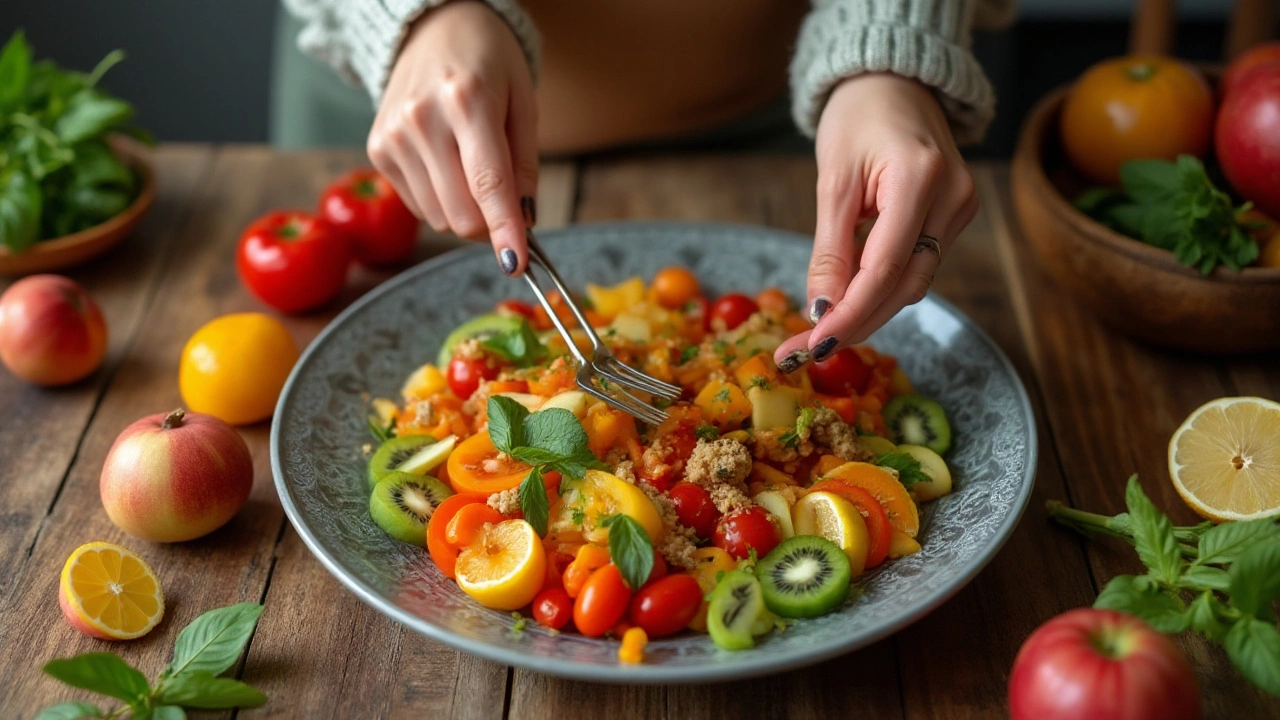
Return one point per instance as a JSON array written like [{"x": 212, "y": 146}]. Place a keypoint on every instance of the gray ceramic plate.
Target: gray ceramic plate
[{"x": 369, "y": 349}]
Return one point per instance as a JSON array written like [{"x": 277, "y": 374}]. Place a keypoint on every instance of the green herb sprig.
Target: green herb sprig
[
  {"x": 205, "y": 649},
  {"x": 630, "y": 549},
  {"x": 551, "y": 439},
  {"x": 791, "y": 438},
  {"x": 519, "y": 346},
  {"x": 909, "y": 470},
  {"x": 1219, "y": 580}
]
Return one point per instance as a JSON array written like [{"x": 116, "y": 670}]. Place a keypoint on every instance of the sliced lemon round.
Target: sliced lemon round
[
  {"x": 830, "y": 516},
  {"x": 505, "y": 566},
  {"x": 108, "y": 592},
  {"x": 1225, "y": 459}
]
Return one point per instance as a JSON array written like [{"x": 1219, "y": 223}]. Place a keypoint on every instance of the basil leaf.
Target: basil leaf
[
  {"x": 1151, "y": 181},
  {"x": 1223, "y": 544},
  {"x": 213, "y": 642},
  {"x": 506, "y": 423},
  {"x": 163, "y": 712},
  {"x": 1205, "y": 615},
  {"x": 555, "y": 430},
  {"x": 70, "y": 711},
  {"x": 1255, "y": 578},
  {"x": 1254, "y": 648},
  {"x": 201, "y": 689},
  {"x": 1153, "y": 535},
  {"x": 15, "y": 70},
  {"x": 630, "y": 549},
  {"x": 104, "y": 673},
  {"x": 20, "y": 207},
  {"x": 533, "y": 502},
  {"x": 1200, "y": 577},
  {"x": 1159, "y": 609},
  {"x": 520, "y": 346},
  {"x": 90, "y": 113}
]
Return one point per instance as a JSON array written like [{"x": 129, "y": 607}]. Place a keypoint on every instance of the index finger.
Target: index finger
[{"x": 486, "y": 162}]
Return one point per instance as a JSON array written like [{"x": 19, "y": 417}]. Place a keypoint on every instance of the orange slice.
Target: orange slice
[
  {"x": 505, "y": 566},
  {"x": 108, "y": 592},
  {"x": 1225, "y": 459},
  {"x": 897, "y": 502}
]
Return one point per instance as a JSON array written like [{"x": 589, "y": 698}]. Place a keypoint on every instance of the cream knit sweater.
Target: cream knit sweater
[{"x": 923, "y": 39}]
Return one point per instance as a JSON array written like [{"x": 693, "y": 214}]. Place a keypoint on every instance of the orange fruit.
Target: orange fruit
[
  {"x": 234, "y": 367},
  {"x": 884, "y": 487},
  {"x": 108, "y": 592},
  {"x": 1225, "y": 459},
  {"x": 504, "y": 568}
]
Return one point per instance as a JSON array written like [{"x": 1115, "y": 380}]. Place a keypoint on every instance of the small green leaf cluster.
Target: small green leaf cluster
[
  {"x": 804, "y": 419},
  {"x": 909, "y": 470},
  {"x": 519, "y": 346}
]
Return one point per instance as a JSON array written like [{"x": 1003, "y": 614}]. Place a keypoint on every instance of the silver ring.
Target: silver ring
[{"x": 927, "y": 243}]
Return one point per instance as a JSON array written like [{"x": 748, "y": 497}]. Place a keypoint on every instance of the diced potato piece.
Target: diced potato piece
[
  {"x": 575, "y": 401},
  {"x": 423, "y": 383},
  {"x": 759, "y": 343},
  {"x": 613, "y": 301},
  {"x": 633, "y": 328},
  {"x": 779, "y": 508},
  {"x": 723, "y": 404},
  {"x": 772, "y": 408},
  {"x": 756, "y": 370},
  {"x": 532, "y": 403}
]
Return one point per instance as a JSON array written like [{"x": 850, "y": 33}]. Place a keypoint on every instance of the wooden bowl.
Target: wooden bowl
[
  {"x": 69, "y": 250},
  {"x": 1138, "y": 289}
]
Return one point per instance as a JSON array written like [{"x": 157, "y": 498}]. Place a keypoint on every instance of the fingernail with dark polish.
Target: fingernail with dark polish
[
  {"x": 509, "y": 261},
  {"x": 529, "y": 208},
  {"x": 793, "y": 361},
  {"x": 824, "y": 348},
  {"x": 819, "y": 308}
]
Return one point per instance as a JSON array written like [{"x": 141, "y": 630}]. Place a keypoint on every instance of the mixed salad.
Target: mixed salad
[{"x": 760, "y": 499}]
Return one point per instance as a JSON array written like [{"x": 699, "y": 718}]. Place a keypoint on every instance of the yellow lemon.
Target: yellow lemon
[
  {"x": 108, "y": 592},
  {"x": 504, "y": 568},
  {"x": 600, "y": 494},
  {"x": 234, "y": 367},
  {"x": 830, "y": 516},
  {"x": 1225, "y": 459}
]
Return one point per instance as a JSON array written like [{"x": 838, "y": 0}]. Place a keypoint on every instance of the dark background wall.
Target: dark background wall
[{"x": 201, "y": 69}]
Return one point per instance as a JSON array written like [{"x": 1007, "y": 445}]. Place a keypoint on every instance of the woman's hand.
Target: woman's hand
[
  {"x": 884, "y": 149},
  {"x": 456, "y": 131}
]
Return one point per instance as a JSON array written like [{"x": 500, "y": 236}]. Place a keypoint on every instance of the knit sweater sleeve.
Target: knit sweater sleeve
[
  {"x": 923, "y": 39},
  {"x": 361, "y": 38}
]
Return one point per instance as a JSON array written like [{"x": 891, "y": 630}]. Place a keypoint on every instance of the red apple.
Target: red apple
[
  {"x": 176, "y": 476},
  {"x": 51, "y": 331},
  {"x": 1090, "y": 664},
  {"x": 1247, "y": 137},
  {"x": 1257, "y": 55}
]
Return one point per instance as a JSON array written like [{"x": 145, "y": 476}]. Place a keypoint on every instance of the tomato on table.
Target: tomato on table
[
  {"x": 843, "y": 374},
  {"x": 364, "y": 206},
  {"x": 879, "y": 529},
  {"x": 553, "y": 608},
  {"x": 292, "y": 260},
  {"x": 465, "y": 374},
  {"x": 733, "y": 310},
  {"x": 602, "y": 602},
  {"x": 665, "y": 607},
  {"x": 476, "y": 466},
  {"x": 675, "y": 286},
  {"x": 694, "y": 508},
  {"x": 515, "y": 308},
  {"x": 746, "y": 530},
  {"x": 443, "y": 554}
]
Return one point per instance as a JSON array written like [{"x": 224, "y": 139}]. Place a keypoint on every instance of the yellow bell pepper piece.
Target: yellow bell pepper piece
[
  {"x": 612, "y": 301},
  {"x": 723, "y": 404}
]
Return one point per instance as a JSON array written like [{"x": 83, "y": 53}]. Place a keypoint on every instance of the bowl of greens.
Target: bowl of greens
[{"x": 74, "y": 176}]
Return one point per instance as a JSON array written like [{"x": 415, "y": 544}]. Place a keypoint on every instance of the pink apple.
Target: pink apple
[{"x": 51, "y": 331}]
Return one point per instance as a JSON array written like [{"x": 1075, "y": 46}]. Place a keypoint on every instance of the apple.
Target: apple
[
  {"x": 176, "y": 476},
  {"x": 1253, "y": 57},
  {"x": 1247, "y": 137},
  {"x": 1091, "y": 664},
  {"x": 51, "y": 331}
]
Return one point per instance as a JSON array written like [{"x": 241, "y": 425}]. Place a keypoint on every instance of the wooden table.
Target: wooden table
[{"x": 1105, "y": 407}]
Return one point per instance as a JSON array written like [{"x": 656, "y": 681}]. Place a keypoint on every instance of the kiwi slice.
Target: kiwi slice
[
  {"x": 480, "y": 327},
  {"x": 402, "y": 504},
  {"x": 736, "y": 607},
  {"x": 804, "y": 576},
  {"x": 393, "y": 453},
  {"x": 915, "y": 420}
]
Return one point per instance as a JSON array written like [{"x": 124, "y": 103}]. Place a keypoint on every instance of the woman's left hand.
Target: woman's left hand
[{"x": 884, "y": 150}]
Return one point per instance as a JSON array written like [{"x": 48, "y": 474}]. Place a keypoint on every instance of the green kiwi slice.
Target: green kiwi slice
[
  {"x": 915, "y": 420},
  {"x": 402, "y": 504},
  {"x": 391, "y": 454},
  {"x": 737, "y": 605},
  {"x": 804, "y": 576}
]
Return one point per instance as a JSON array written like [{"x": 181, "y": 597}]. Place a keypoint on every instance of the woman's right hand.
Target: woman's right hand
[{"x": 456, "y": 131}]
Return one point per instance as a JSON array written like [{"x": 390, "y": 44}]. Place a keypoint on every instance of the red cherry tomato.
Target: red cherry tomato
[
  {"x": 745, "y": 530},
  {"x": 665, "y": 607},
  {"x": 553, "y": 607},
  {"x": 602, "y": 602},
  {"x": 465, "y": 375},
  {"x": 515, "y": 308},
  {"x": 694, "y": 508},
  {"x": 699, "y": 309},
  {"x": 364, "y": 206},
  {"x": 843, "y": 374},
  {"x": 879, "y": 530},
  {"x": 659, "y": 570},
  {"x": 293, "y": 261},
  {"x": 733, "y": 310}
]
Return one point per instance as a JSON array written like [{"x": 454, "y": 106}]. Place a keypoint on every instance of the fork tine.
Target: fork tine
[
  {"x": 626, "y": 402},
  {"x": 530, "y": 277},
  {"x": 652, "y": 384}
]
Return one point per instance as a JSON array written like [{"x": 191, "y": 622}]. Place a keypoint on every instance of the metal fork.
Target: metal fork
[{"x": 602, "y": 366}]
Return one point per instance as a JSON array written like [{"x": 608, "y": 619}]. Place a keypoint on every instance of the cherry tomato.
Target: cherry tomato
[
  {"x": 699, "y": 309},
  {"x": 843, "y": 374},
  {"x": 466, "y": 374},
  {"x": 745, "y": 530},
  {"x": 665, "y": 607},
  {"x": 467, "y": 523},
  {"x": 675, "y": 286},
  {"x": 694, "y": 508},
  {"x": 293, "y": 261},
  {"x": 514, "y": 308},
  {"x": 553, "y": 607},
  {"x": 659, "y": 570},
  {"x": 733, "y": 310},
  {"x": 364, "y": 206},
  {"x": 774, "y": 302},
  {"x": 444, "y": 555},
  {"x": 602, "y": 602},
  {"x": 879, "y": 529}
]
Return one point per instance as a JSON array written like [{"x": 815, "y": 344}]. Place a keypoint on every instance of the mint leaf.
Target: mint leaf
[
  {"x": 1153, "y": 535},
  {"x": 163, "y": 712},
  {"x": 91, "y": 113},
  {"x": 1200, "y": 577},
  {"x": 506, "y": 423},
  {"x": 1254, "y": 648},
  {"x": 1151, "y": 181},
  {"x": 1129, "y": 594},
  {"x": 535, "y": 456},
  {"x": 20, "y": 207},
  {"x": 70, "y": 710},
  {"x": 1205, "y": 615},
  {"x": 104, "y": 673},
  {"x": 201, "y": 689},
  {"x": 520, "y": 346},
  {"x": 1255, "y": 578},
  {"x": 555, "y": 430},
  {"x": 630, "y": 549},
  {"x": 533, "y": 502},
  {"x": 213, "y": 641},
  {"x": 909, "y": 470},
  {"x": 15, "y": 70},
  {"x": 1223, "y": 544}
]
